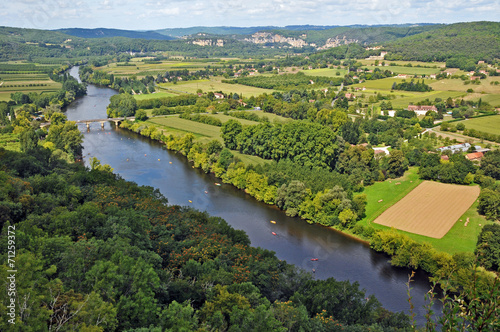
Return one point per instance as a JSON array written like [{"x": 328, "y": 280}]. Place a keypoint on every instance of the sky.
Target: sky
[{"x": 160, "y": 14}]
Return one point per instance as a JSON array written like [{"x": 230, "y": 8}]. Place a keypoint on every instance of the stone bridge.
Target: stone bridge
[{"x": 102, "y": 121}]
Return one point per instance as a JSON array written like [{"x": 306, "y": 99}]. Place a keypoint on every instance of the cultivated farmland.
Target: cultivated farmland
[{"x": 431, "y": 209}]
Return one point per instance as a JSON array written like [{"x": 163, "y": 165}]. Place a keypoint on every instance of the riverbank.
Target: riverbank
[{"x": 404, "y": 251}]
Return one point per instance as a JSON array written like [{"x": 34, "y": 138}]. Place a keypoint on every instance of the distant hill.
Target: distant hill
[
  {"x": 104, "y": 33},
  {"x": 473, "y": 41},
  {"x": 361, "y": 34},
  {"x": 221, "y": 30}
]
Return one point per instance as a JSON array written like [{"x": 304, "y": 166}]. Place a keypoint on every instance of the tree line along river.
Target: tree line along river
[{"x": 147, "y": 162}]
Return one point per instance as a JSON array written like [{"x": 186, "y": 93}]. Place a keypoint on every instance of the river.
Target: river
[{"x": 147, "y": 162}]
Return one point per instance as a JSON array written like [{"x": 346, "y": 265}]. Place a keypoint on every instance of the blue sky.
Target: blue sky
[{"x": 159, "y": 14}]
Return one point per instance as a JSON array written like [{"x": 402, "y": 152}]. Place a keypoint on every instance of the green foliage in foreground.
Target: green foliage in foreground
[{"x": 106, "y": 254}]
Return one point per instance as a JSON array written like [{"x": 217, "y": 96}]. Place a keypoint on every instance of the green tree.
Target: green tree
[
  {"x": 488, "y": 247},
  {"x": 141, "y": 115},
  {"x": 28, "y": 140},
  {"x": 230, "y": 130},
  {"x": 397, "y": 164},
  {"x": 122, "y": 105},
  {"x": 489, "y": 204},
  {"x": 490, "y": 164}
]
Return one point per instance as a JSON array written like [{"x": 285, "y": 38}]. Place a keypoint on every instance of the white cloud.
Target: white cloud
[{"x": 152, "y": 14}]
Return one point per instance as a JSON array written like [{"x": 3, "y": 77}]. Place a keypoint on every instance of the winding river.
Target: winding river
[{"x": 146, "y": 162}]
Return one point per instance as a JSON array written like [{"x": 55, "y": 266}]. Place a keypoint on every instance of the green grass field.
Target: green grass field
[
  {"x": 207, "y": 132},
  {"x": 225, "y": 118},
  {"x": 140, "y": 68},
  {"x": 383, "y": 84},
  {"x": 326, "y": 72},
  {"x": 458, "y": 239},
  {"x": 419, "y": 96},
  {"x": 458, "y": 85},
  {"x": 403, "y": 63},
  {"x": 214, "y": 85},
  {"x": 154, "y": 95},
  {"x": 273, "y": 117},
  {"x": 407, "y": 70},
  {"x": 488, "y": 124}
]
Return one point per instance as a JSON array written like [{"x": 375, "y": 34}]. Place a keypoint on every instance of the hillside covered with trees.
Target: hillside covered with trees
[{"x": 106, "y": 255}]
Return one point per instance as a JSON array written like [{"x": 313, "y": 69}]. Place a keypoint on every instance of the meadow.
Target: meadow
[
  {"x": 214, "y": 85},
  {"x": 154, "y": 95},
  {"x": 326, "y": 72},
  {"x": 138, "y": 67},
  {"x": 404, "y": 63},
  {"x": 488, "y": 124},
  {"x": 406, "y": 70}
]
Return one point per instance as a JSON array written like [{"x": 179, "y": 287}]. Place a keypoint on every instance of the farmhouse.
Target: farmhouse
[
  {"x": 218, "y": 95},
  {"x": 422, "y": 109},
  {"x": 474, "y": 156}
]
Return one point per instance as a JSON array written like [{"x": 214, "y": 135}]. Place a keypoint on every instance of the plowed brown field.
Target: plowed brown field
[{"x": 431, "y": 209}]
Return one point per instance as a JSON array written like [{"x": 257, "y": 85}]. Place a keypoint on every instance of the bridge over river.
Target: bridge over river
[{"x": 102, "y": 121}]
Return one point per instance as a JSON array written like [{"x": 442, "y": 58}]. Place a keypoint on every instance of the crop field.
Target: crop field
[
  {"x": 326, "y": 72},
  {"x": 431, "y": 209},
  {"x": 488, "y": 124},
  {"x": 214, "y": 85},
  {"x": 10, "y": 142},
  {"x": 25, "y": 81}
]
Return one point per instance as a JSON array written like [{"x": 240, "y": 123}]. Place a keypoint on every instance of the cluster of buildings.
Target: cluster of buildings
[{"x": 464, "y": 147}]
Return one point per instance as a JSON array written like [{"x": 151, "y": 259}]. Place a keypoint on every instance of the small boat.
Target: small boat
[
  {"x": 273, "y": 222},
  {"x": 217, "y": 184},
  {"x": 169, "y": 162},
  {"x": 145, "y": 155},
  {"x": 314, "y": 259},
  {"x": 190, "y": 201},
  {"x": 273, "y": 233},
  {"x": 206, "y": 192},
  {"x": 158, "y": 159}
]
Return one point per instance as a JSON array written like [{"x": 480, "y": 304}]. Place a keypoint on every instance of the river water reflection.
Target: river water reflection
[{"x": 146, "y": 162}]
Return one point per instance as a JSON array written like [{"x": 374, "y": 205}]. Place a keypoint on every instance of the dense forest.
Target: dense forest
[{"x": 460, "y": 45}]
